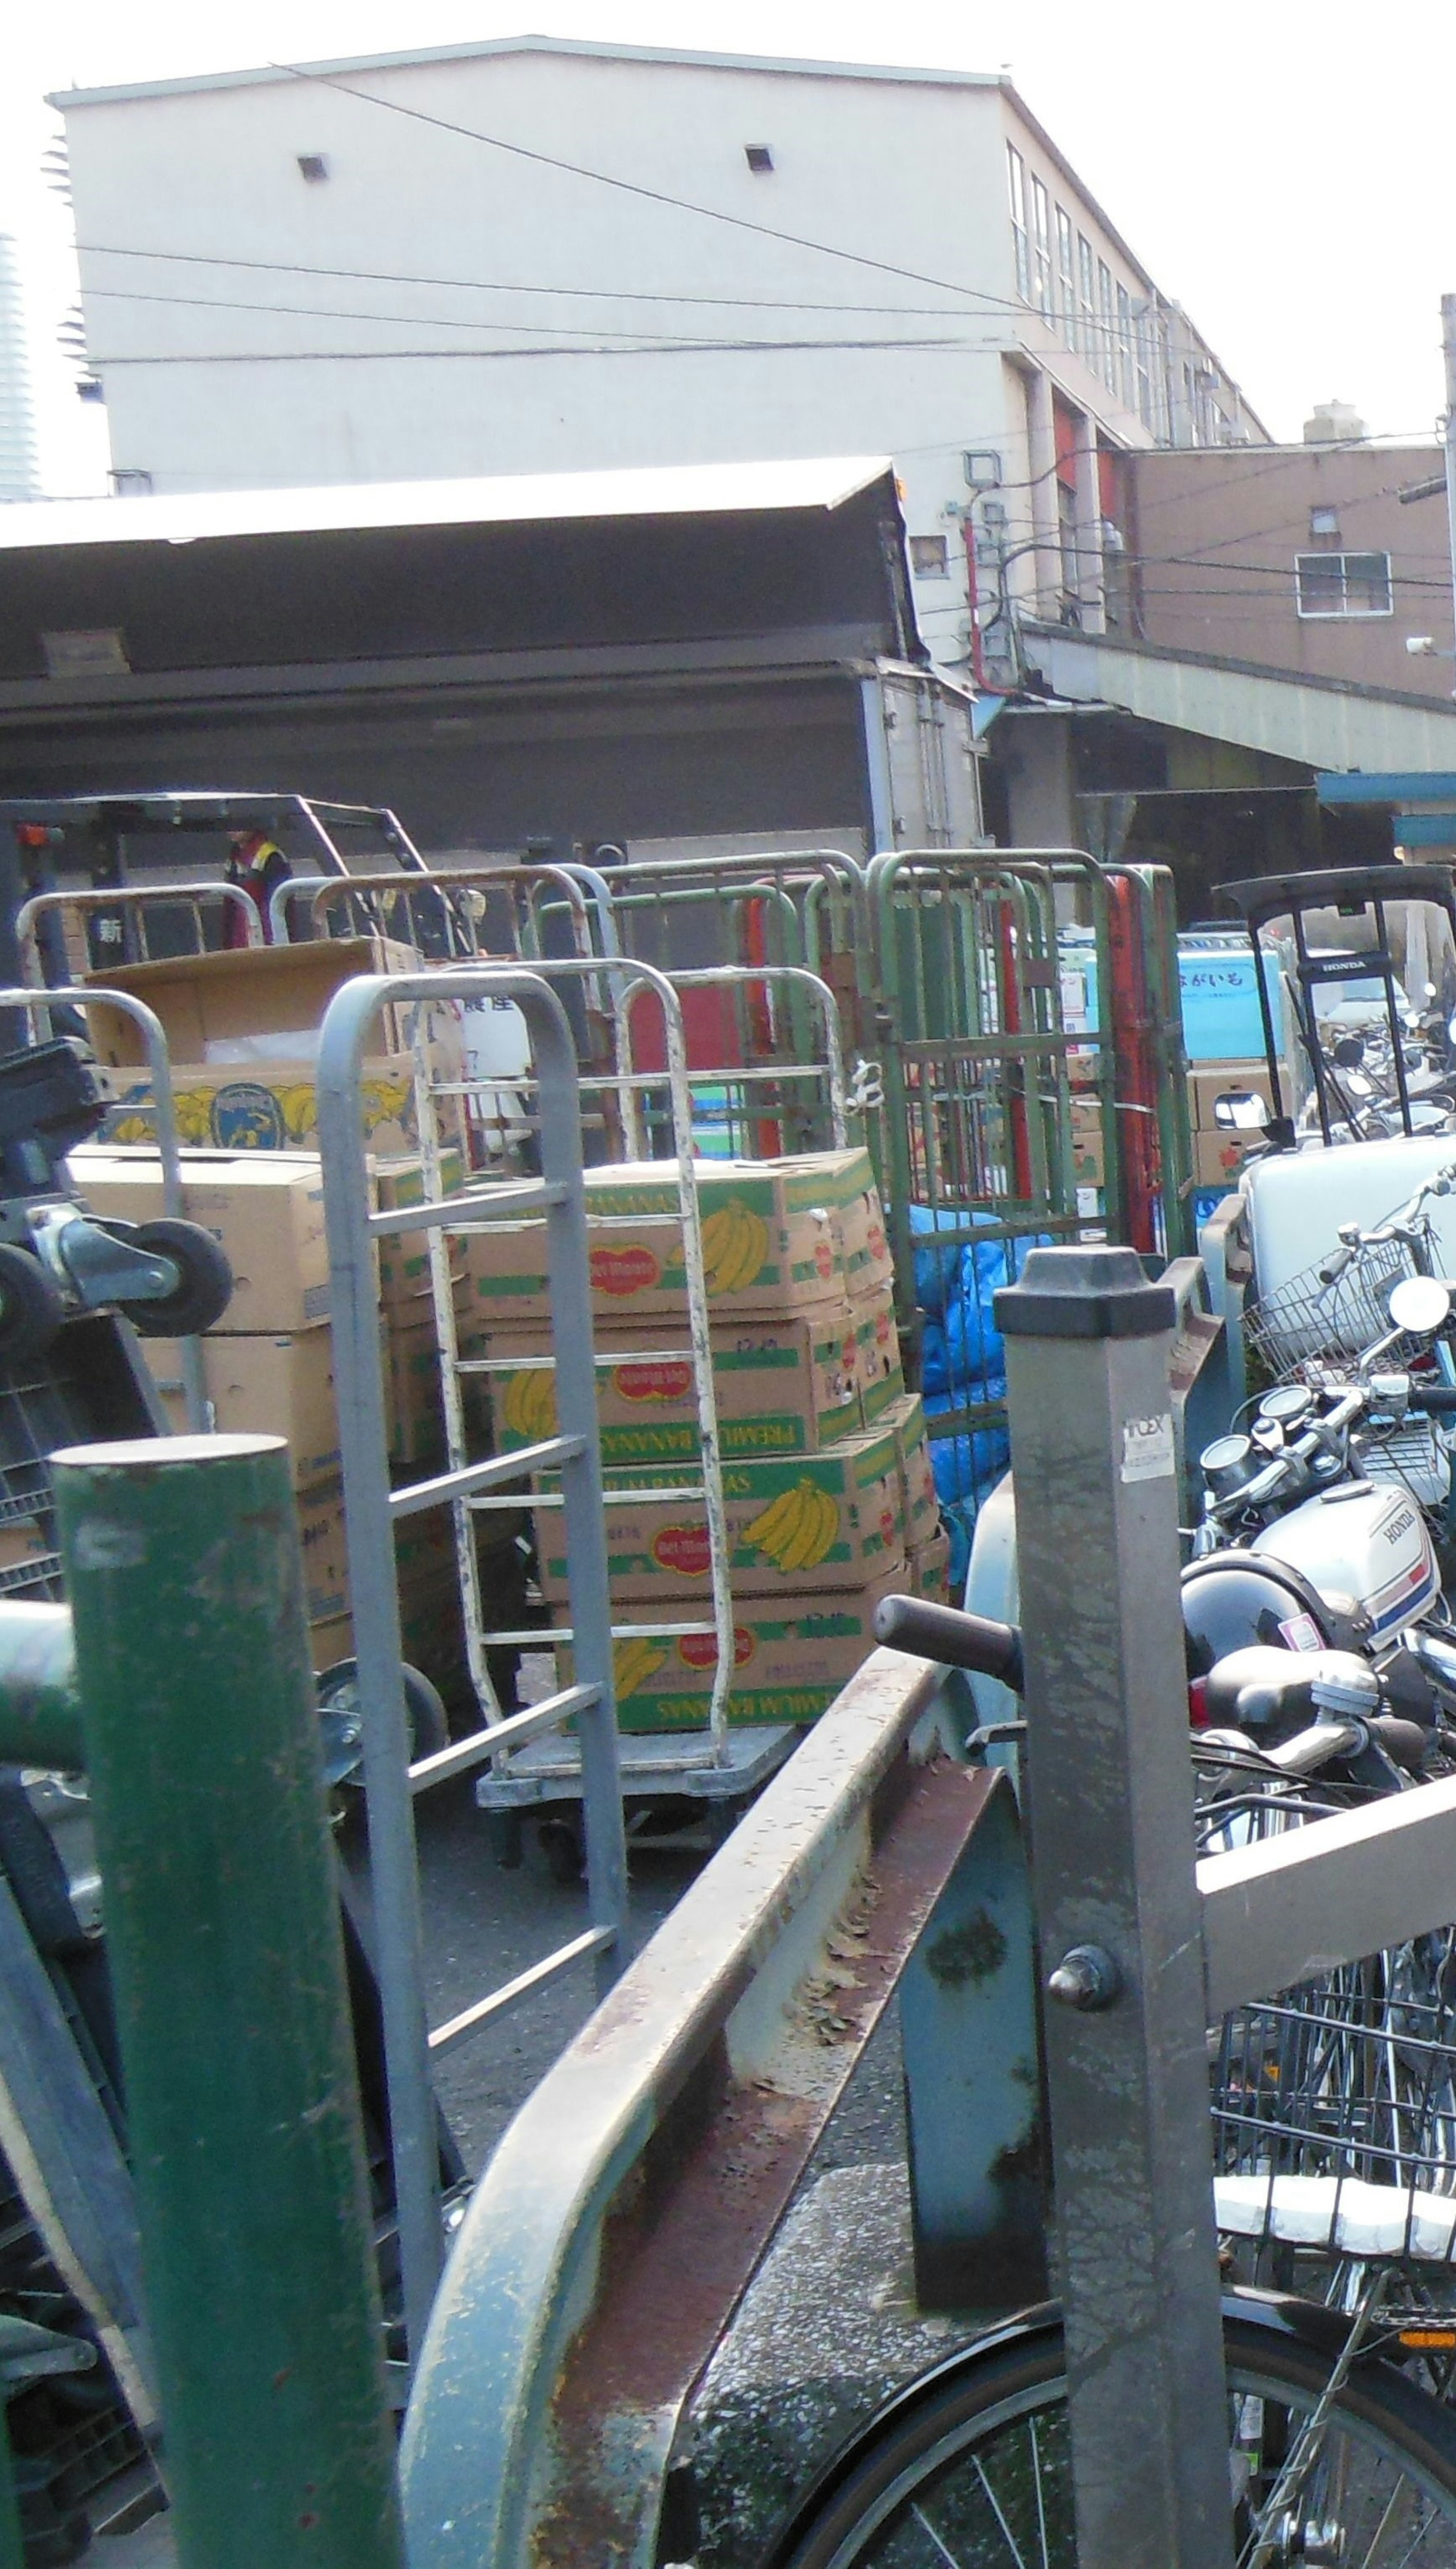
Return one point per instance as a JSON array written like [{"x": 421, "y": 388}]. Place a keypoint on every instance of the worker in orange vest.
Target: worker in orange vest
[{"x": 260, "y": 866}]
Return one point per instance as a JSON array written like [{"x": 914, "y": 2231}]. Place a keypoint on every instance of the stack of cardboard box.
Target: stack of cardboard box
[
  {"x": 827, "y": 1479},
  {"x": 268, "y": 1366},
  {"x": 1217, "y": 1149}
]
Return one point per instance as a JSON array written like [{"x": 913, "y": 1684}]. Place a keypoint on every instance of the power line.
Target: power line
[
  {"x": 498, "y": 286},
  {"x": 488, "y": 356},
  {"x": 627, "y": 187}
]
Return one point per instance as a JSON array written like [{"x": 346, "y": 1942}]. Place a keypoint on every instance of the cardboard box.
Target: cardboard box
[
  {"x": 829, "y": 1520},
  {"x": 879, "y": 1365},
  {"x": 243, "y": 1031},
  {"x": 272, "y": 1386},
  {"x": 432, "y": 1637},
  {"x": 1089, "y": 1154},
  {"x": 325, "y": 1552},
  {"x": 266, "y": 1211},
  {"x": 792, "y": 1655},
  {"x": 929, "y": 1569},
  {"x": 782, "y": 1386},
  {"x": 906, "y": 1420},
  {"x": 414, "y": 1404},
  {"x": 1219, "y": 1157},
  {"x": 404, "y": 1255},
  {"x": 24, "y": 1542},
  {"x": 778, "y": 1236},
  {"x": 1213, "y": 1080}
]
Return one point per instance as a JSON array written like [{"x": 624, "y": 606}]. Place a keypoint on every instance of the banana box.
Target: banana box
[
  {"x": 906, "y": 1419},
  {"x": 778, "y": 1236},
  {"x": 877, "y": 1361},
  {"x": 781, "y": 1386},
  {"x": 242, "y": 1030},
  {"x": 830, "y": 1520},
  {"x": 792, "y": 1655},
  {"x": 929, "y": 1569},
  {"x": 404, "y": 1255}
]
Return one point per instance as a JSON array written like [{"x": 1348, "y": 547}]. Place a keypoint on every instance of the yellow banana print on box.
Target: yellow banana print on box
[
  {"x": 798, "y": 1531},
  {"x": 735, "y": 1247},
  {"x": 633, "y": 1664},
  {"x": 529, "y": 1406}
]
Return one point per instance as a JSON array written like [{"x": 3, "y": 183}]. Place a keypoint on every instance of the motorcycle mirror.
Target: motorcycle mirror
[
  {"x": 1240, "y": 1110},
  {"x": 1349, "y": 1052},
  {"x": 1420, "y": 1306}
]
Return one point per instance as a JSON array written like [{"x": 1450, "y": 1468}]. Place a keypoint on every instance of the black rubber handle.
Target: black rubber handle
[
  {"x": 1438, "y": 1400},
  {"x": 957, "y": 1640},
  {"x": 1405, "y": 1741}
]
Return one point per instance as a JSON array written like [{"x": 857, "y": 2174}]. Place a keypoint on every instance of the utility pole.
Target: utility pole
[{"x": 1448, "y": 343}]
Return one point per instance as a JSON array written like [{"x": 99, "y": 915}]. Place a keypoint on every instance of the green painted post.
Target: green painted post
[{"x": 191, "y": 1654}]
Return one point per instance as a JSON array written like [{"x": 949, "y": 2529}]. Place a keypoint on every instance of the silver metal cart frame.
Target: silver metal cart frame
[
  {"x": 134, "y": 900},
  {"x": 371, "y": 1512}
]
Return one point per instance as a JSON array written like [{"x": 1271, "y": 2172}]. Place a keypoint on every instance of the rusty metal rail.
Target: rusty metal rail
[{"x": 624, "y": 2211}]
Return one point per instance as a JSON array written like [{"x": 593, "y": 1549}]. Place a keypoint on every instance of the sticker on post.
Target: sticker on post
[{"x": 1147, "y": 1448}]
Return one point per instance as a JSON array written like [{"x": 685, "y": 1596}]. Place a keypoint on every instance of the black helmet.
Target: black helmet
[{"x": 1233, "y": 1600}]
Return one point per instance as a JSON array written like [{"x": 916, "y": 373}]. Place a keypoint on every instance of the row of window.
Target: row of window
[{"x": 1060, "y": 275}]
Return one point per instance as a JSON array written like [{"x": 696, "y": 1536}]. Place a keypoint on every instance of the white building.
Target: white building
[
  {"x": 533, "y": 255},
  {"x": 18, "y": 473}
]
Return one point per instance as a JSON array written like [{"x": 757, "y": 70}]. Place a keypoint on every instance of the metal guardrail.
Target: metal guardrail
[{"x": 579, "y": 2307}]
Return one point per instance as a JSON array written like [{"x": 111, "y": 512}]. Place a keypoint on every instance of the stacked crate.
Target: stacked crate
[
  {"x": 829, "y": 1496},
  {"x": 1217, "y": 1150},
  {"x": 267, "y": 1367}
]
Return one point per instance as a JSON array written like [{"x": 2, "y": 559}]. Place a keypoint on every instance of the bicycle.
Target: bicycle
[{"x": 1337, "y": 2455}]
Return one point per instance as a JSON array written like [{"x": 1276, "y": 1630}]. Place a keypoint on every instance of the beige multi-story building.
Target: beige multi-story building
[{"x": 534, "y": 256}]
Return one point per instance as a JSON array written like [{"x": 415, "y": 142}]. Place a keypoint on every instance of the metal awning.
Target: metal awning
[
  {"x": 526, "y": 499},
  {"x": 1320, "y": 724}
]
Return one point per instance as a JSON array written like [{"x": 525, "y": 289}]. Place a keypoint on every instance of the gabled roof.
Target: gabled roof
[{"x": 67, "y": 98}]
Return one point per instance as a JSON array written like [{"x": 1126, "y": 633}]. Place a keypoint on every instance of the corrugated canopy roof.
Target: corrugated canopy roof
[{"x": 658, "y": 491}]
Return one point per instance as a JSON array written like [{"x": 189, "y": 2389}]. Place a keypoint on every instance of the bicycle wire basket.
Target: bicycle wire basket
[
  {"x": 1334, "y": 2112},
  {"x": 1306, "y": 1325}
]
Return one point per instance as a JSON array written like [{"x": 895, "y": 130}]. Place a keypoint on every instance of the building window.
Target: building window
[
  {"x": 1342, "y": 584},
  {"x": 1066, "y": 277},
  {"x": 1125, "y": 382},
  {"x": 759, "y": 158},
  {"x": 1041, "y": 294},
  {"x": 1016, "y": 173},
  {"x": 1108, "y": 367},
  {"x": 1324, "y": 521},
  {"x": 929, "y": 556},
  {"x": 1147, "y": 373},
  {"x": 1087, "y": 299}
]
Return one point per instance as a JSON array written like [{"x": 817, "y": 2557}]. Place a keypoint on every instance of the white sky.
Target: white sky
[{"x": 1286, "y": 169}]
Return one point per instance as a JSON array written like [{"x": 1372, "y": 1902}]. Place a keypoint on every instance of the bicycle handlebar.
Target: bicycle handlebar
[{"x": 957, "y": 1640}]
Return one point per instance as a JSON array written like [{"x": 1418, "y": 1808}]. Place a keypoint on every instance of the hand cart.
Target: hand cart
[{"x": 372, "y": 1511}]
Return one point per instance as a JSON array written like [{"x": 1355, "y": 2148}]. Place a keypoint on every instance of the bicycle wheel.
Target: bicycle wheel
[{"x": 976, "y": 2474}]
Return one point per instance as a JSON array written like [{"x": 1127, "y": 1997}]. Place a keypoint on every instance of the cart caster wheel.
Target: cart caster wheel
[
  {"x": 561, "y": 1843},
  {"x": 31, "y": 1307},
  {"x": 341, "y": 1727},
  {"x": 203, "y": 1285},
  {"x": 507, "y": 1839}
]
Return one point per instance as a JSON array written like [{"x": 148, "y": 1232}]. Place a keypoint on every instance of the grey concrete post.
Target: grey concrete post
[{"x": 1110, "y": 1805}]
